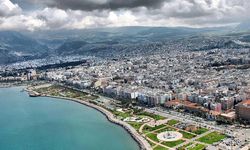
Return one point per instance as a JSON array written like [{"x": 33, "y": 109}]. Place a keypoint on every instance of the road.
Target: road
[{"x": 183, "y": 118}]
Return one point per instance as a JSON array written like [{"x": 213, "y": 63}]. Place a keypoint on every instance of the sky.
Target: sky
[{"x": 79, "y": 14}]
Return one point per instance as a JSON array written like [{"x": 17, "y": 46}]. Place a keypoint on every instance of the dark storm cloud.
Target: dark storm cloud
[{"x": 89, "y": 5}]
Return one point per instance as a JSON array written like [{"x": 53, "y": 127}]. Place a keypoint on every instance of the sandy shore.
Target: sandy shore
[{"x": 143, "y": 144}]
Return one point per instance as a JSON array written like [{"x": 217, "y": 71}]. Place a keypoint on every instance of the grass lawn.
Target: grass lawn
[
  {"x": 212, "y": 137},
  {"x": 200, "y": 131},
  {"x": 92, "y": 97},
  {"x": 173, "y": 144},
  {"x": 172, "y": 122},
  {"x": 154, "y": 116},
  {"x": 165, "y": 129},
  {"x": 160, "y": 148},
  {"x": 197, "y": 147},
  {"x": 135, "y": 125},
  {"x": 121, "y": 114},
  {"x": 147, "y": 128},
  {"x": 57, "y": 90},
  {"x": 51, "y": 90},
  {"x": 153, "y": 137},
  {"x": 184, "y": 147},
  {"x": 187, "y": 135}
]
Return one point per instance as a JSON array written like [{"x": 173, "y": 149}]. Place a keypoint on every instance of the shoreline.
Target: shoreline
[{"x": 142, "y": 143}]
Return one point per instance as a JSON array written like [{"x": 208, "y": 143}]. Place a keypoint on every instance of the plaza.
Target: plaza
[{"x": 169, "y": 136}]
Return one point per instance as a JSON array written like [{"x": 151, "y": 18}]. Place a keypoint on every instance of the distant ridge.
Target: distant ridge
[
  {"x": 243, "y": 27},
  {"x": 15, "y": 46},
  {"x": 117, "y": 41}
]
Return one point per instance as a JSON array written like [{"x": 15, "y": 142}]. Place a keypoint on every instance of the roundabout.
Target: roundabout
[{"x": 169, "y": 136}]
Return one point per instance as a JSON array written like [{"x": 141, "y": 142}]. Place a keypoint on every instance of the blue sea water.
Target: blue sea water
[{"x": 43, "y": 123}]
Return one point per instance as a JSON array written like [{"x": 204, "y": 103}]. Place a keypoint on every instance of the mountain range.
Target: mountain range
[{"x": 19, "y": 46}]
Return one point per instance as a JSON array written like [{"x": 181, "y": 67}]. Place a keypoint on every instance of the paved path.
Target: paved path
[
  {"x": 141, "y": 128},
  {"x": 157, "y": 143}
]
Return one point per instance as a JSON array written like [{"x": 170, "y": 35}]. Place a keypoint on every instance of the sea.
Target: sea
[{"x": 43, "y": 123}]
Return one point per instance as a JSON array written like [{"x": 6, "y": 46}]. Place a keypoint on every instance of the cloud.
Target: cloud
[
  {"x": 53, "y": 18},
  {"x": 21, "y": 22},
  {"x": 7, "y": 8},
  {"x": 78, "y": 14},
  {"x": 89, "y": 5},
  {"x": 197, "y": 13}
]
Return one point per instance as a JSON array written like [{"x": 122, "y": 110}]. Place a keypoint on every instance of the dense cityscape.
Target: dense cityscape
[{"x": 212, "y": 84}]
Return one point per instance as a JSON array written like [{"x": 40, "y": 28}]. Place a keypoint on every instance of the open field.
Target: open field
[
  {"x": 57, "y": 90},
  {"x": 172, "y": 122},
  {"x": 147, "y": 128},
  {"x": 153, "y": 137},
  {"x": 154, "y": 116},
  {"x": 187, "y": 135},
  {"x": 165, "y": 129},
  {"x": 135, "y": 125},
  {"x": 122, "y": 114},
  {"x": 197, "y": 147},
  {"x": 160, "y": 148},
  {"x": 184, "y": 146},
  {"x": 200, "y": 131},
  {"x": 173, "y": 144},
  {"x": 212, "y": 137}
]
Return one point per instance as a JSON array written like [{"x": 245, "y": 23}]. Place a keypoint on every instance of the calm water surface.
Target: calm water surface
[{"x": 50, "y": 124}]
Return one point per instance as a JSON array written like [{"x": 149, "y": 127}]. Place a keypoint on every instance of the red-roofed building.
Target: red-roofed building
[{"x": 243, "y": 111}]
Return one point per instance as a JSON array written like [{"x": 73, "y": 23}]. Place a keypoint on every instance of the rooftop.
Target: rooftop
[{"x": 245, "y": 103}]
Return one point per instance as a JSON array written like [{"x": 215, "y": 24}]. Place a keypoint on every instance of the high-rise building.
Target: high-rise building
[{"x": 31, "y": 74}]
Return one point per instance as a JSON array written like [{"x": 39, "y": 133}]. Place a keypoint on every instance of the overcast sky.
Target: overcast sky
[{"x": 78, "y": 14}]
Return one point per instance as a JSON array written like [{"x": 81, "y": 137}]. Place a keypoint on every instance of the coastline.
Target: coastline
[{"x": 143, "y": 144}]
